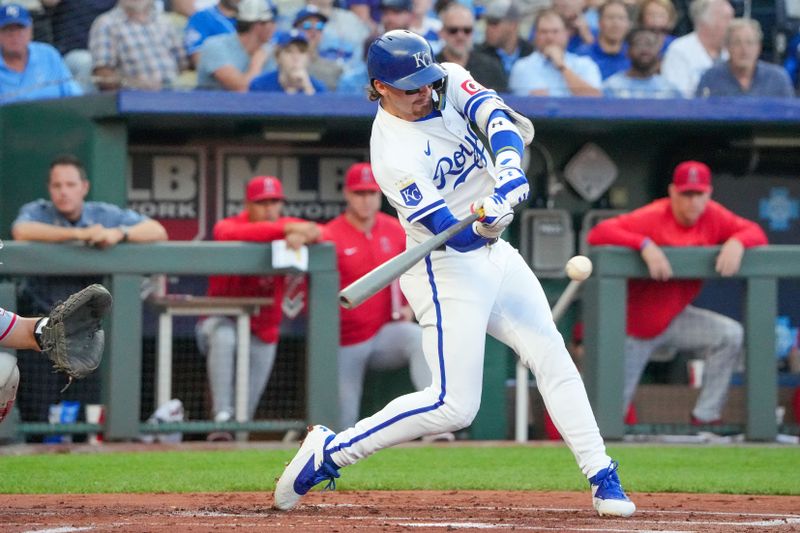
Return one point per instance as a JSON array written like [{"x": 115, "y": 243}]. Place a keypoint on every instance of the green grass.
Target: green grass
[{"x": 709, "y": 469}]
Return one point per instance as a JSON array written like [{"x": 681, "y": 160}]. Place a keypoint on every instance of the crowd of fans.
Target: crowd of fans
[{"x": 615, "y": 48}]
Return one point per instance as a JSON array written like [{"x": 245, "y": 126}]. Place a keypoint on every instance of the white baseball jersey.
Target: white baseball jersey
[
  {"x": 457, "y": 297},
  {"x": 449, "y": 166}
]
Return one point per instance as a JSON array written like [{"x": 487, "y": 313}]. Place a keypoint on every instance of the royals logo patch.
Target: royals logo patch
[{"x": 411, "y": 195}]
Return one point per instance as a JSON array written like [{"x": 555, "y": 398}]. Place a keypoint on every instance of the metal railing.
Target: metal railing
[
  {"x": 121, "y": 370},
  {"x": 605, "y": 315}
]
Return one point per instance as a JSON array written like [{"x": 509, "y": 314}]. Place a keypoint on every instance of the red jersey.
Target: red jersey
[
  {"x": 356, "y": 254},
  {"x": 266, "y": 322},
  {"x": 653, "y": 304}
]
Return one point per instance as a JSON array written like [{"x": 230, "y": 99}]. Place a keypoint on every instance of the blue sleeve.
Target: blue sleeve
[
  {"x": 129, "y": 217},
  {"x": 463, "y": 241},
  {"x": 791, "y": 62},
  {"x": 33, "y": 212},
  {"x": 213, "y": 56},
  {"x": 318, "y": 85},
  {"x": 256, "y": 84},
  {"x": 504, "y": 140}
]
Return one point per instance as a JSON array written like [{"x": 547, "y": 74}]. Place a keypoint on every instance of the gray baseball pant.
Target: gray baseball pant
[
  {"x": 717, "y": 337},
  {"x": 396, "y": 345},
  {"x": 216, "y": 337}
]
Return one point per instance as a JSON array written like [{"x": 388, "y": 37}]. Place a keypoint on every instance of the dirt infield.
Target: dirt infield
[{"x": 406, "y": 511}]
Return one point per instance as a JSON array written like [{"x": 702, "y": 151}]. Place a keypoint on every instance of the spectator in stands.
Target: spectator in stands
[
  {"x": 659, "y": 16},
  {"x": 379, "y": 334},
  {"x": 293, "y": 74},
  {"x": 355, "y": 78},
  {"x": 660, "y": 313},
  {"x": 134, "y": 45},
  {"x": 71, "y": 21},
  {"x": 343, "y": 35},
  {"x": 230, "y": 61},
  {"x": 215, "y": 20},
  {"x": 426, "y": 24},
  {"x": 29, "y": 70},
  {"x": 311, "y": 22},
  {"x": 396, "y": 14},
  {"x": 642, "y": 79},
  {"x": 689, "y": 56},
  {"x": 369, "y": 11},
  {"x": 744, "y": 74},
  {"x": 609, "y": 50},
  {"x": 259, "y": 221},
  {"x": 68, "y": 217},
  {"x": 579, "y": 32},
  {"x": 551, "y": 70},
  {"x": 502, "y": 40},
  {"x": 458, "y": 24}
]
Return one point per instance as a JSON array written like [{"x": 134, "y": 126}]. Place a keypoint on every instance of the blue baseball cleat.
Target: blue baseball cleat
[
  {"x": 310, "y": 466},
  {"x": 608, "y": 497}
]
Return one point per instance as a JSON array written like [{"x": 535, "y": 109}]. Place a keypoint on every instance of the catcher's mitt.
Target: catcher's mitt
[{"x": 72, "y": 335}]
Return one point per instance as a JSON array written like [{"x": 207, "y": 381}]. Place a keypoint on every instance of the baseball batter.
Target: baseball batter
[{"x": 434, "y": 169}]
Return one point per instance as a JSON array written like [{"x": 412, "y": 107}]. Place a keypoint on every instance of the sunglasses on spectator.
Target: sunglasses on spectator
[
  {"x": 466, "y": 30},
  {"x": 308, "y": 25}
]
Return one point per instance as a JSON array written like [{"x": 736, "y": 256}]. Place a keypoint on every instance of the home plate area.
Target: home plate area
[{"x": 407, "y": 511}]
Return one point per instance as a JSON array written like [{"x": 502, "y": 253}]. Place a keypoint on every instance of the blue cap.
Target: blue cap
[
  {"x": 14, "y": 14},
  {"x": 308, "y": 12},
  {"x": 285, "y": 38}
]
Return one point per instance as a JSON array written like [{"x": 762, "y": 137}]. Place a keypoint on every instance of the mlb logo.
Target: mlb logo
[{"x": 411, "y": 195}]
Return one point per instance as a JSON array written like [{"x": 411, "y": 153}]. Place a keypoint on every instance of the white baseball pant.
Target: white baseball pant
[{"x": 458, "y": 298}]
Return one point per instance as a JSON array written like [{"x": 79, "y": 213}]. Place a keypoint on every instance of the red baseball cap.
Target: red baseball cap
[
  {"x": 264, "y": 188},
  {"x": 359, "y": 177},
  {"x": 692, "y": 176}
]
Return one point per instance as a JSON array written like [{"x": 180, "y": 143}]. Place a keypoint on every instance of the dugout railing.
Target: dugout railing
[
  {"x": 604, "y": 314},
  {"x": 124, "y": 267}
]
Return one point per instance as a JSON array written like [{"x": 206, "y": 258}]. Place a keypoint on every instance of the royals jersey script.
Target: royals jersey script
[{"x": 456, "y": 168}]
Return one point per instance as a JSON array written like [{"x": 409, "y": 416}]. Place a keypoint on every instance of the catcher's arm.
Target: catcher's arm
[{"x": 72, "y": 334}]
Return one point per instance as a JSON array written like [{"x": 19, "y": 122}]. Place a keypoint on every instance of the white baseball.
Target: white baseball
[{"x": 579, "y": 268}]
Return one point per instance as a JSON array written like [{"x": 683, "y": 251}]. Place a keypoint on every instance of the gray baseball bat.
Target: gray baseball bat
[{"x": 367, "y": 285}]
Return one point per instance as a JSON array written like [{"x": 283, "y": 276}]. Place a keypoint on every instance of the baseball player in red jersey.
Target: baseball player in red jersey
[
  {"x": 659, "y": 310},
  {"x": 260, "y": 221},
  {"x": 378, "y": 334}
]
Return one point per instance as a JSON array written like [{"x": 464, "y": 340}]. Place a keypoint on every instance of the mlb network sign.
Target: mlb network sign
[
  {"x": 187, "y": 190},
  {"x": 169, "y": 185},
  {"x": 312, "y": 180}
]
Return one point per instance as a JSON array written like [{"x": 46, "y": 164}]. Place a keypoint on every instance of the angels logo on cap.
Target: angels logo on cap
[
  {"x": 264, "y": 188},
  {"x": 359, "y": 177},
  {"x": 692, "y": 176}
]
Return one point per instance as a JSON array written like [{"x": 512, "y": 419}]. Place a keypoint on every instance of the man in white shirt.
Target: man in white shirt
[
  {"x": 689, "y": 56},
  {"x": 551, "y": 70}
]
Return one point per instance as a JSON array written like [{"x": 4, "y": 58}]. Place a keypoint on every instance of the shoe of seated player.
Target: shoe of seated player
[
  {"x": 310, "y": 466},
  {"x": 608, "y": 497}
]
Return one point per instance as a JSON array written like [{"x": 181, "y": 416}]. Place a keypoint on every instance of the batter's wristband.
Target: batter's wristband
[{"x": 645, "y": 242}]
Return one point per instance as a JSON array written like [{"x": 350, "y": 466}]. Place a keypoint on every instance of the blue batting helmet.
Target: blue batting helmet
[{"x": 403, "y": 60}]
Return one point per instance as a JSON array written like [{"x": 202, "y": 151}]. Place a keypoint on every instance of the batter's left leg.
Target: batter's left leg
[{"x": 521, "y": 319}]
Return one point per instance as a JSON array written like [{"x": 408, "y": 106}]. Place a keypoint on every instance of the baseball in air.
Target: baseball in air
[{"x": 579, "y": 268}]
